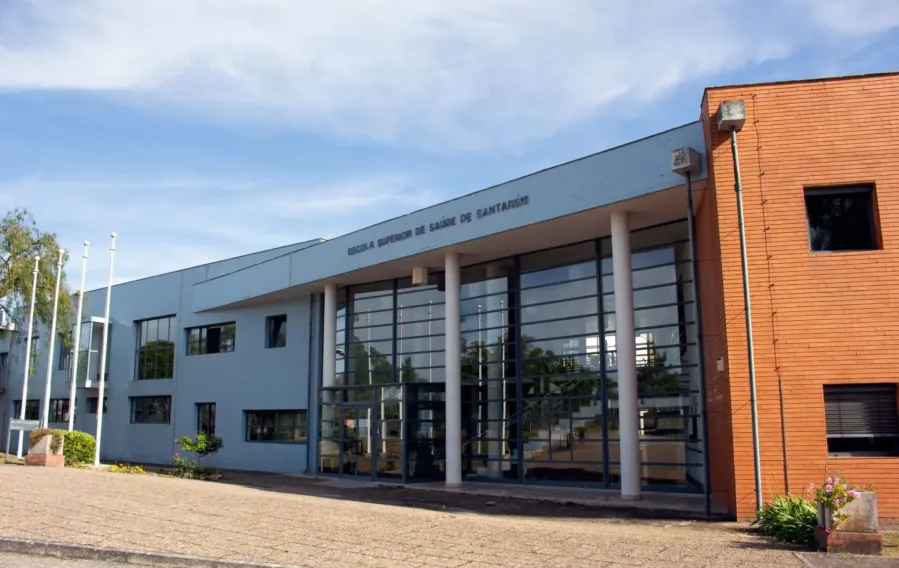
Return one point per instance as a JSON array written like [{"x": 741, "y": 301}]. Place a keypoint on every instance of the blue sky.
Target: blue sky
[{"x": 202, "y": 129}]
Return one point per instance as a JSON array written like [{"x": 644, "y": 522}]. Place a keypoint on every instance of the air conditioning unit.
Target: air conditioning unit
[{"x": 420, "y": 276}]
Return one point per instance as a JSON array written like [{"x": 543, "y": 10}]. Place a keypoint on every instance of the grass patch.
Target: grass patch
[
  {"x": 891, "y": 544},
  {"x": 12, "y": 459}
]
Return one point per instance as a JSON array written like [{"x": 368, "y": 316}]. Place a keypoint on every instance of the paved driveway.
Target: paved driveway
[
  {"x": 237, "y": 522},
  {"x": 18, "y": 561}
]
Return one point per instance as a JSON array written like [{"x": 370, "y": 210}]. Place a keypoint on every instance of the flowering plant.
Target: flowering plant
[{"x": 834, "y": 495}]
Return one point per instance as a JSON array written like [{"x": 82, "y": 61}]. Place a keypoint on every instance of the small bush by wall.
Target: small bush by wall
[
  {"x": 789, "y": 519},
  {"x": 79, "y": 447}
]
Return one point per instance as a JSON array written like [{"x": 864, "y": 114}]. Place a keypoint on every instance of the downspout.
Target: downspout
[{"x": 731, "y": 116}]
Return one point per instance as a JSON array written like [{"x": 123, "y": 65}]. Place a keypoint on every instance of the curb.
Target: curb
[{"x": 122, "y": 556}]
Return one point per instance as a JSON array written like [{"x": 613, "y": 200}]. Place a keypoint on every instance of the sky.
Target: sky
[{"x": 204, "y": 129}]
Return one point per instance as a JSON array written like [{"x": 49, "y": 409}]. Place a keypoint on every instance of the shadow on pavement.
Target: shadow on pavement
[{"x": 409, "y": 496}]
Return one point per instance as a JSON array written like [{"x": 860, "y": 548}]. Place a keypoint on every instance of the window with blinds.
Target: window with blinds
[{"x": 862, "y": 419}]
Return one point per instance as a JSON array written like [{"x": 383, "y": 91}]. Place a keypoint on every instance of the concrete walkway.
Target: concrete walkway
[{"x": 301, "y": 526}]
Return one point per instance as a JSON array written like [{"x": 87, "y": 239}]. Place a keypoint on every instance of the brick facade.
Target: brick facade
[{"x": 818, "y": 318}]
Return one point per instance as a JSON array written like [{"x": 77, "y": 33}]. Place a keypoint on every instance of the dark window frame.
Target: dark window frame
[
  {"x": 201, "y": 338},
  {"x": 276, "y": 331},
  {"x": 65, "y": 354},
  {"x": 256, "y": 432},
  {"x": 32, "y": 408},
  {"x": 92, "y": 403},
  {"x": 59, "y": 410},
  {"x": 165, "y": 348},
  {"x": 812, "y": 197},
  {"x": 862, "y": 419},
  {"x": 145, "y": 409},
  {"x": 206, "y": 418}
]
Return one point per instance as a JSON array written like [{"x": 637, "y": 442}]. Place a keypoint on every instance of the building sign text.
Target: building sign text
[{"x": 442, "y": 223}]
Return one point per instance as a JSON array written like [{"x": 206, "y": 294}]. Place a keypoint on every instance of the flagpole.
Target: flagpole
[
  {"x": 24, "y": 403},
  {"x": 76, "y": 345},
  {"x": 45, "y": 415},
  {"x": 105, "y": 348}
]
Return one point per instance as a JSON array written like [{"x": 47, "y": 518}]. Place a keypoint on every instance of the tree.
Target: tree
[{"x": 20, "y": 242}]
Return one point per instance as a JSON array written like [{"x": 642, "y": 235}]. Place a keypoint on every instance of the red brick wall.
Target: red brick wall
[
  {"x": 714, "y": 344},
  {"x": 818, "y": 318}
]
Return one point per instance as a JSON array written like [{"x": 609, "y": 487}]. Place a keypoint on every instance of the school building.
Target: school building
[{"x": 584, "y": 325}]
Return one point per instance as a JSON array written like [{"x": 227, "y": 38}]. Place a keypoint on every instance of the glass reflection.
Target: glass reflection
[{"x": 539, "y": 376}]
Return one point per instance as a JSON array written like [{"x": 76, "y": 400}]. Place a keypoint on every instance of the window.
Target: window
[
  {"x": 862, "y": 419},
  {"x": 276, "y": 331},
  {"x": 65, "y": 354},
  {"x": 286, "y": 426},
  {"x": 32, "y": 409},
  {"x": 211, "y": 339},
  {"x": 206, "y": 417},
  {"x": 841, "y": 218},
  {"x": 156, "y": 348},
  {"x": 4, "y": 361},
  {"x": 151, "y": 409},
  {"x": 59, "y": 410},
  {"x": 92, "y": 404}
]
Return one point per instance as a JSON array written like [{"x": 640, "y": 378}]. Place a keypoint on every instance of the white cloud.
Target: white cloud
[
  {"x": 463, "y": 73},
  {"x": 173, "y": 223}
]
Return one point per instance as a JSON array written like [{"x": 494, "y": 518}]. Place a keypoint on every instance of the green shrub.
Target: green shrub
[
  {"x": 79, "y": 447},
  {"x": 789, "y": 519},
  {"x": 39, "y": 434},
  {"x": 204, "y": 444}
]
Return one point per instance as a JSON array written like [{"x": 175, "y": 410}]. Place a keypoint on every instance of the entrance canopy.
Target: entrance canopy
[{"x": 563, "y": 204}]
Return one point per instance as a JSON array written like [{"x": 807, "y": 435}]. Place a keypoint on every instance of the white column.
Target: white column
[
  {"x": 329, "y": 359},
  {"x": 625, "y": 341},
  {"x": 453, "y": 372}
]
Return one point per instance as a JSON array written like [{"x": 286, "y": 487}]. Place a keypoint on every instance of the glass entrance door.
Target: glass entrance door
[
  {"x": 426, "y": 433},
  {"x": 356, "y": 435}
]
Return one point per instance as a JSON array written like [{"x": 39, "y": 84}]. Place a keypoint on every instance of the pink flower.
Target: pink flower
[
  {"x": 828, "y": 487},
  {"x": 830, "y": 481}
]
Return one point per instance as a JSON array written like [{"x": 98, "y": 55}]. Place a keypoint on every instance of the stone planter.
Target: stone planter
[
  {"x": 41, "y": 454},
  {"x": 858, "y": 535}
]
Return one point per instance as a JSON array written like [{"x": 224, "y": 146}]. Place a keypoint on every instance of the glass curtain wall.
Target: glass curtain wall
[
  {"x": 668, "y": 382},
  {"x": 539, "y": 370}
]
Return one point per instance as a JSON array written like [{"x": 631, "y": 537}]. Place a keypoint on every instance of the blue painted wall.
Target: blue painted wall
[
  {"x": 615, "y": 175},
  {"x": 251, "y": 378}
]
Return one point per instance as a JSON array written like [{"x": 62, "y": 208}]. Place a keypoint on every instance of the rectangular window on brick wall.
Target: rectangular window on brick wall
[
  {"x": 862, "y": 420},
  {"x": 841, "y": 218}
]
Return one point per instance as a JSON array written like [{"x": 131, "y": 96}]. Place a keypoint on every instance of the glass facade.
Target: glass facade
[{"x": 538, "y": 366}]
